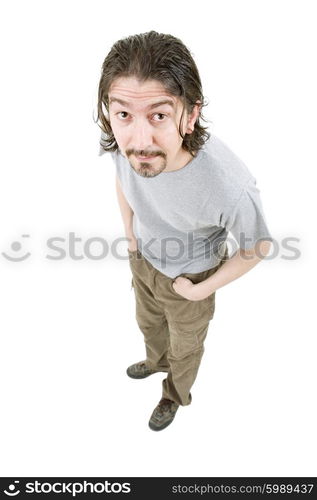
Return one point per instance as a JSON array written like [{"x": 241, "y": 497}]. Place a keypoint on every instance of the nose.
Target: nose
[{"x": 142, "y": 138}]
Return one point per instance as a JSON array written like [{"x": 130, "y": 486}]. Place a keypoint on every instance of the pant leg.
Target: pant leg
[
  {"x": 188, "y": 323},
  {"x": 184, "y": 356},
  {"x": 150, "y": 315}
]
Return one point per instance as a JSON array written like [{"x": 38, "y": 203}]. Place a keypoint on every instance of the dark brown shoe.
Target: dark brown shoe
[
  {"x": 163, "y": 414},
  {"x": 139, "y": 370}
]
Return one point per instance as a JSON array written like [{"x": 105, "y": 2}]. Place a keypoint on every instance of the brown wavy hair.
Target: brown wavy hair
[{"x": 153, "y": 56}]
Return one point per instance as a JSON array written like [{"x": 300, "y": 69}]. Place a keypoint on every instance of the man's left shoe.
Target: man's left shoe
[{"x": 163, "y": 414}]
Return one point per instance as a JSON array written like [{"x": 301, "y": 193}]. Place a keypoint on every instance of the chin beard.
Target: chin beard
[{"x": 147, "y": 170}]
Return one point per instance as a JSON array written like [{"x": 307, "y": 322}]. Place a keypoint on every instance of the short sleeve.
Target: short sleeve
[{"x": 247, "y": 221}]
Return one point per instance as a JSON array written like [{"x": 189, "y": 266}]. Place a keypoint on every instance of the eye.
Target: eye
[
  {"x": 122, "y": 113},
  {"x": 161, "y": 116}
]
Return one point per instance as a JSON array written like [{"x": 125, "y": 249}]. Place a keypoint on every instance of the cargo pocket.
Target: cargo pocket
[
  {"x": 187, "y": 337},
  {"x": 182, "y": 342}
]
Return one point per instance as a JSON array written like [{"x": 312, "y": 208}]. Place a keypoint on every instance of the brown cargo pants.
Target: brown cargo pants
[{"x": 174, "y": 328}]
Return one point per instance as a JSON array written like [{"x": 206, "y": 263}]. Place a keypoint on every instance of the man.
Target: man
[{"x": 180, "y": 192}]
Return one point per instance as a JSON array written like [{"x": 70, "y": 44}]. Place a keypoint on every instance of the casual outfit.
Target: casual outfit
[{"x": 181, "y": 221}]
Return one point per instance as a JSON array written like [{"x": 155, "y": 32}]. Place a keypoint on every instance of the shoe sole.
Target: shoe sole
[
  {"x": 139, "y": 376},
  {"x": 154, "y": 428}
]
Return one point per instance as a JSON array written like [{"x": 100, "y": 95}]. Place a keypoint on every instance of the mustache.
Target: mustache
[{"x": 142, "y": 152}]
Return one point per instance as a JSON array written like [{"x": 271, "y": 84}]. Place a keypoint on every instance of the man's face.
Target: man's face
[{"x": 145, "y": 119}]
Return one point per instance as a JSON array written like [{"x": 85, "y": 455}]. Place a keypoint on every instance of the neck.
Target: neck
[{"x": 180, "y": 162}]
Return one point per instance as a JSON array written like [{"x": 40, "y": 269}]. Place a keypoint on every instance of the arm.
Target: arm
[
  {"x": 240, "y": 263},
  {"x": 127, "y": 216}
]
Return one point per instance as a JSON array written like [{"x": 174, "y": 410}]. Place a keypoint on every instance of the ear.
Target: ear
[{"x": 192, "y": 118}]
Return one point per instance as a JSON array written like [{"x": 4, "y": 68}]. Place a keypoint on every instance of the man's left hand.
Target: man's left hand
[{"x": 187, "y": 289}]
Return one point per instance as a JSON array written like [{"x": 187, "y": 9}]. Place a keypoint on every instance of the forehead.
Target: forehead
[{"x": 135, "y": 92}]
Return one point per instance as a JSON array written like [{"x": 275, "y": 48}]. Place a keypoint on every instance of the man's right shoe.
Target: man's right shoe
[{"x": 140, "y": 370}]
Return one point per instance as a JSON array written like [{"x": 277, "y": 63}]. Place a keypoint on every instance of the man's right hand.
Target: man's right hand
[{"x": 133, "y": 244}]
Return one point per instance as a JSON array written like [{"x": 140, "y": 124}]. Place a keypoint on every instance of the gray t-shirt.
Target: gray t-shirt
[{"x": 182, "y": 218}]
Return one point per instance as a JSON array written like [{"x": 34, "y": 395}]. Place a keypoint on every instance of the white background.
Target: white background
[{"x": 68, "y": 330}]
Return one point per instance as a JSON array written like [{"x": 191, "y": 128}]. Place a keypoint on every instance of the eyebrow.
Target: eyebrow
[{"x": 151, "y": 106}]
